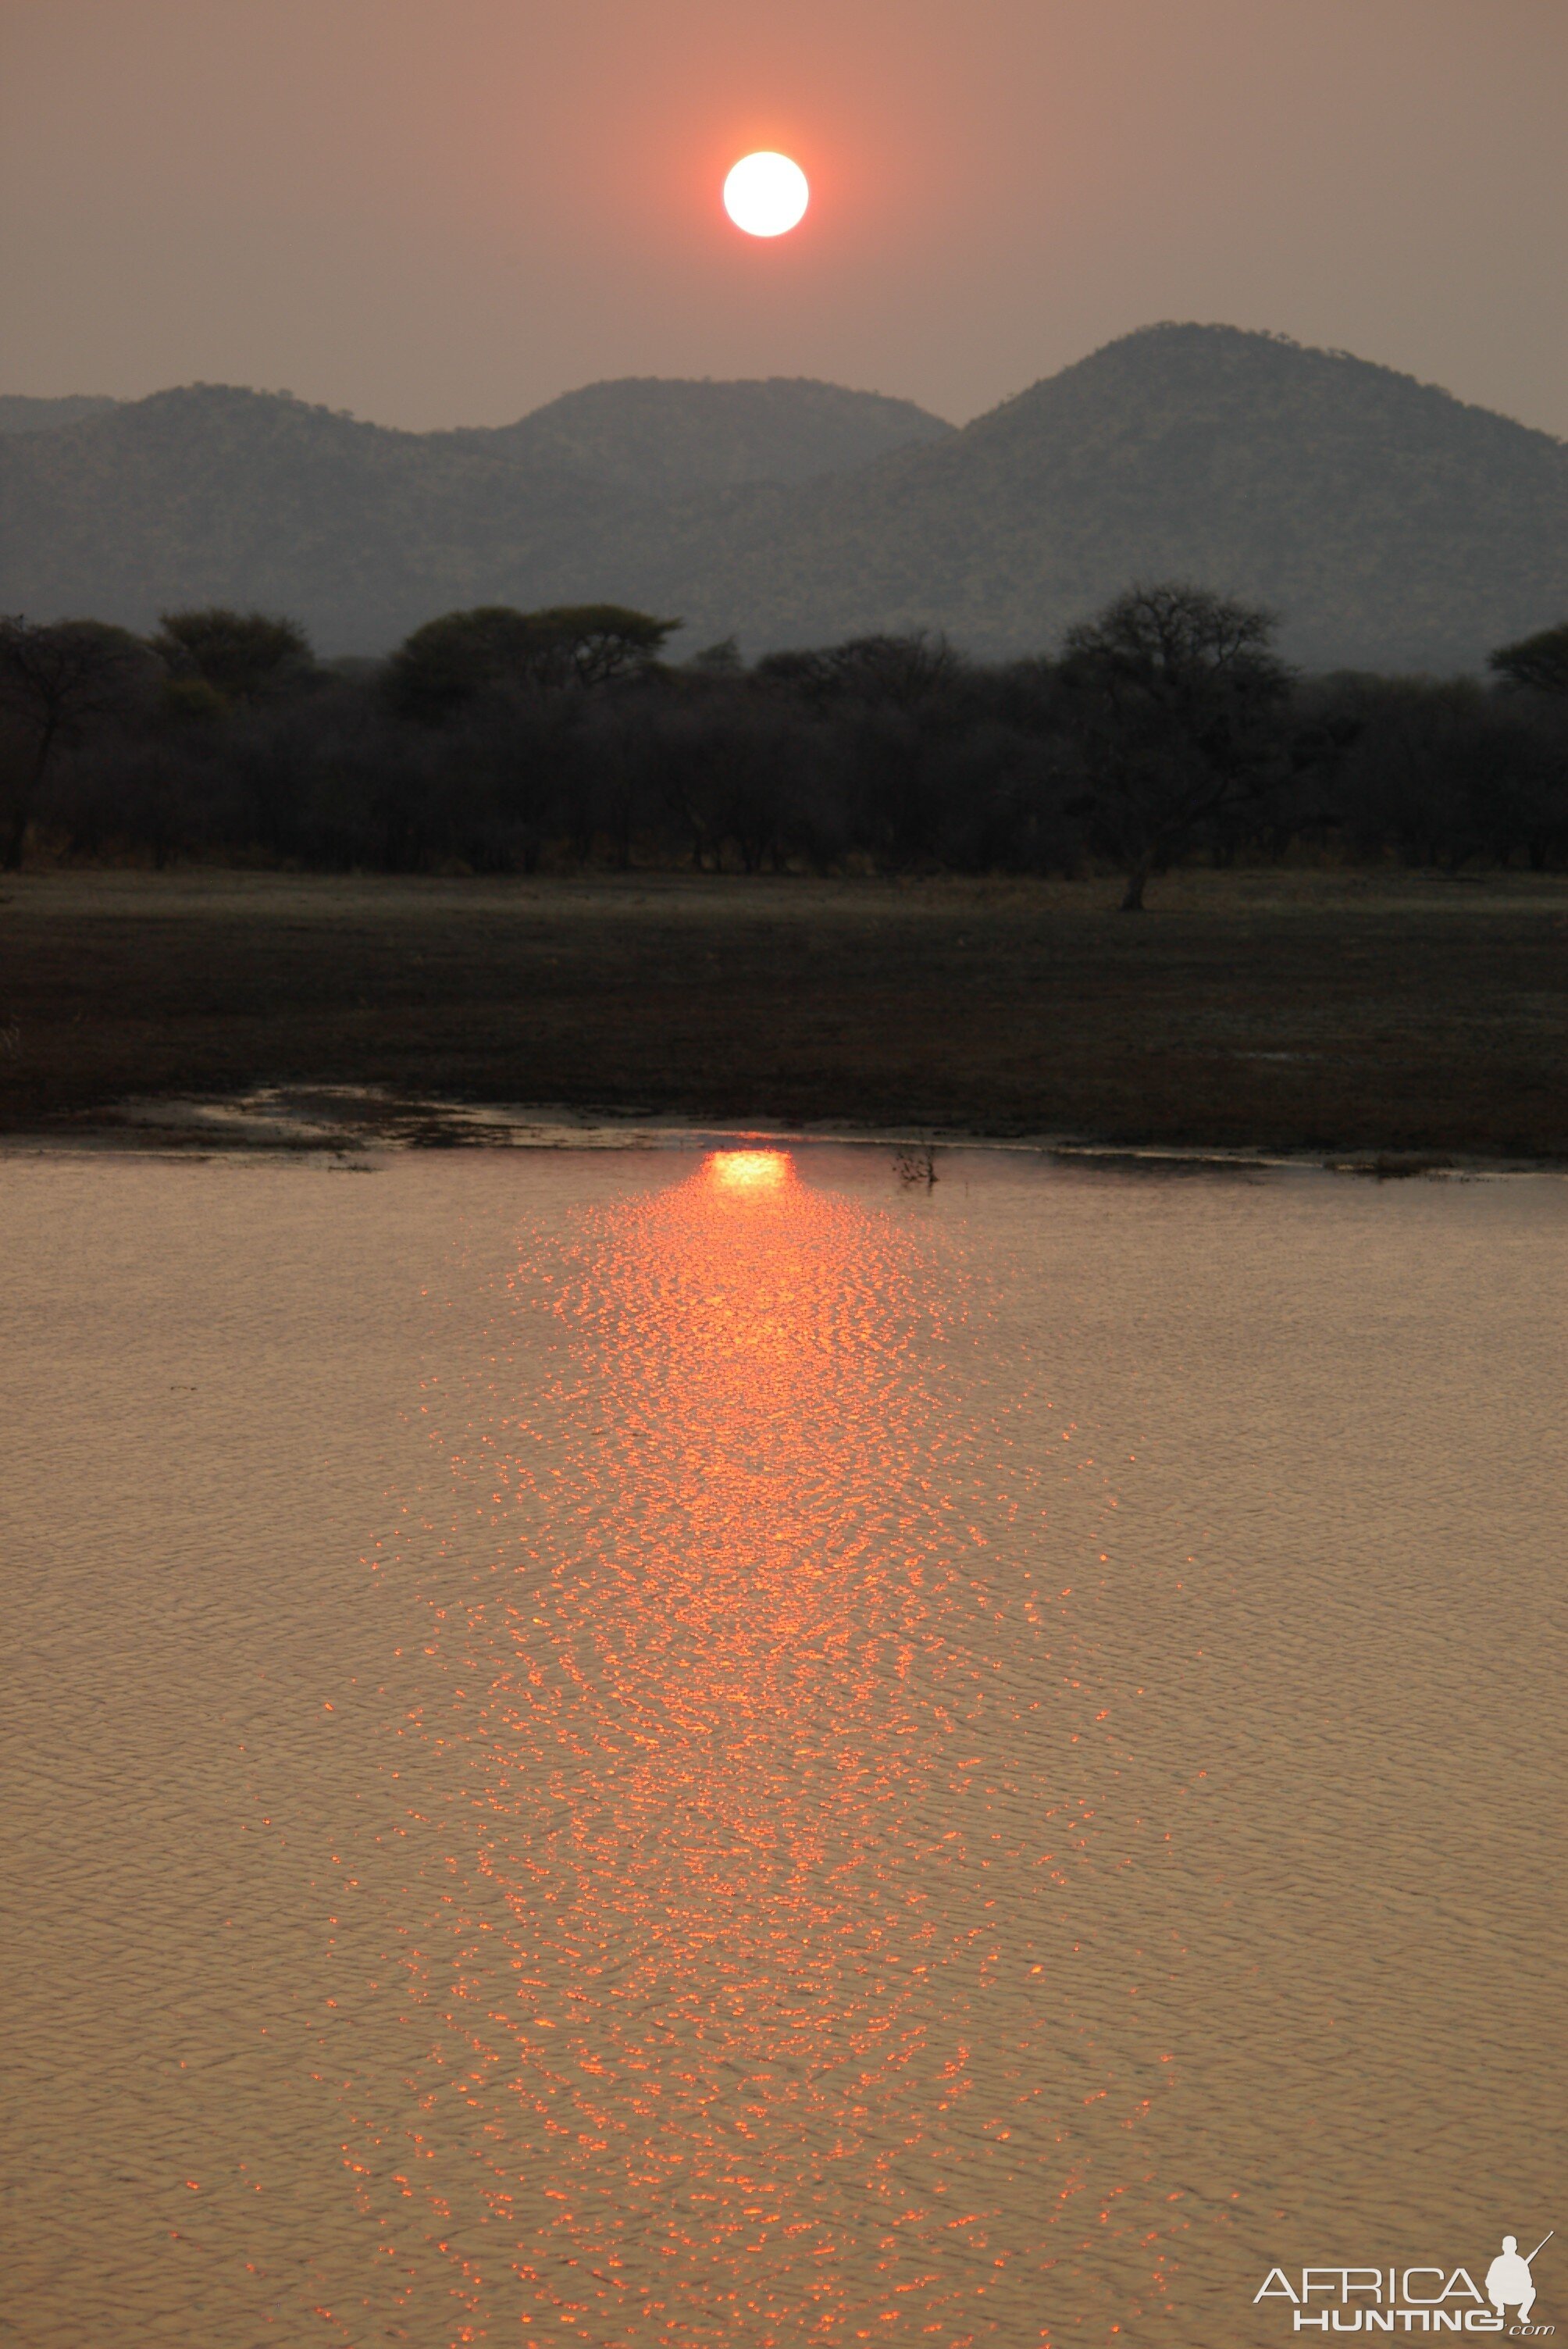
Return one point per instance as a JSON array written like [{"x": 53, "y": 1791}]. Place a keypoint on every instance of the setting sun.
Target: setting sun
[{"x": 765, "y": 194}]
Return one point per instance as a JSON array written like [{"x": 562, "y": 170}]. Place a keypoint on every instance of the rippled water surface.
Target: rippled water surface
[{"x": 714, "y": 1748}]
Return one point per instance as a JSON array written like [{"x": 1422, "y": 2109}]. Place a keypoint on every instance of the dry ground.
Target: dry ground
[{"x": 1316, "y": 1011}]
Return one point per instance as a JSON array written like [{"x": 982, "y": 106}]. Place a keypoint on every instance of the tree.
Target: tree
[
  {"x": 722, "y": 659},
  {"x": 595, "y": 643},
  {"x": 241, "y": 656},
  {"x": 1538, "y": 662},
  {"x": 1442, "y": 771},
  {"x": 449, "y": 662},
  {"x": 54, "y": 681},
  {"x": 907, "y": 672},
  {"x": 1174, "y": 699}
]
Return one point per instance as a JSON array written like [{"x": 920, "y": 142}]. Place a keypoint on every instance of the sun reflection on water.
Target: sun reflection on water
[
  {"x": 738, "y": 2015},
  {"x": 789, "y": 1836},
  {"x": 749, "y": 1172}
]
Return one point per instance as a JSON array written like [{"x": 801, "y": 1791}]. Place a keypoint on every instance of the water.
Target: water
[{"x": 672, "y": 1748}]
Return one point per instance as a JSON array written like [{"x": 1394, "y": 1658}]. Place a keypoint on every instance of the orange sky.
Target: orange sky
[{"x": 442, "y": 211}]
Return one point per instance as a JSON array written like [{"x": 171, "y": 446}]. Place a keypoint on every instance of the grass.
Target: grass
[{"x": 1319, "y": 1011}]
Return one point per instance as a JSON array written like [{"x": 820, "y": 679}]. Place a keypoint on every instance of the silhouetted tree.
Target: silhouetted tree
[
  {"x": 1539, "y": 662},
  {"x": 448, "y": 662},
  {"x": 904, "y": 672},
  {"x": 722, "y": 659},
  {"x": 1175, "y": 701},
  {"x": 500, "y": 740},
  {"x": 238, "y": 656},
  {"x": 521, "y": 755},
  {"x": 54, "y": 681},
  {"x": 147, "y": 797},
  {"x": 597, "y": 644},
  {"x": 1441, "y": 771}
]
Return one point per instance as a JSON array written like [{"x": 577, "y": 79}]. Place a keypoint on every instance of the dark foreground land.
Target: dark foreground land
[{"x": 1313, "y": 1011}]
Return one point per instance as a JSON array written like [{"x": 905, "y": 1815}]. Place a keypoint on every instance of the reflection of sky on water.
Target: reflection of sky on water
[{"x": 968, "y": 1766}]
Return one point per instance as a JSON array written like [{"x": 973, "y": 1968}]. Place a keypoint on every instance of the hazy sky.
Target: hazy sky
[{"x": 443, "y": 212}]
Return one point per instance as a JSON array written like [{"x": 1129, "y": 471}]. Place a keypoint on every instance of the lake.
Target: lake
[{"x": 686, "y": 1746}]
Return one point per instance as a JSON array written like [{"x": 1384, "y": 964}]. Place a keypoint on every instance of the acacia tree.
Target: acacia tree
[
  {"x": 595, "y": 643},
  {"x": 1174, "y": 698},
  {"x": 1539, "y": 663},
  {"x": 242, "y": 656},
  {"x": 449, "y": 662},
  {"x": 54, "y": 681}
]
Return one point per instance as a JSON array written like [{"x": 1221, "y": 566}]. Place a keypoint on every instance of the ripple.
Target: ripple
[{"x": 713, "y": 1750}]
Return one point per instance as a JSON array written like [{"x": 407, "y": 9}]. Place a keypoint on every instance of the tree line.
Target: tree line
[{"x": 1162, "y": 729}]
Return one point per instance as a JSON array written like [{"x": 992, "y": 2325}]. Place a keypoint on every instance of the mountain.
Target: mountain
[
  {"x": 20, "y": 414},
  {"x": 1389, "y": 525},
  {"x": 663, "y": 438},
  {"x": 214, "y": 494}
]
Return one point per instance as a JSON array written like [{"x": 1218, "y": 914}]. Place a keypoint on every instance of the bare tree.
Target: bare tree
[{"x": 1175, "y": 701}]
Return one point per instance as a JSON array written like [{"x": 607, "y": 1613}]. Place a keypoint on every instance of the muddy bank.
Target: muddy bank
[{"x": 1298, "y": 1012}]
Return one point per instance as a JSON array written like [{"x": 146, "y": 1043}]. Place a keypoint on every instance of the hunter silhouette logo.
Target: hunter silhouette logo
[
  {"x": 1509, "y": 2282},
  {"x": 1428, "y": 2299}
]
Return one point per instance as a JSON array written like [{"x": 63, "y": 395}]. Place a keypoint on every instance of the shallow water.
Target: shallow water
[{"x": 681, "y": 1748}]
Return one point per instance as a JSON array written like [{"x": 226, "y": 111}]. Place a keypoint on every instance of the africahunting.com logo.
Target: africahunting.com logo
[{"x": 1322, "y": 2299}]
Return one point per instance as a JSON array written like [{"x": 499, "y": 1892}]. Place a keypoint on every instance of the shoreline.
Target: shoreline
[
  {"x": 1266, "y": 1015},
  {"x": 276, "y": 1123}
]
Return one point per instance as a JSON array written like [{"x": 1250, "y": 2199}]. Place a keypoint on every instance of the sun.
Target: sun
[{"x": 765, "y": 194}]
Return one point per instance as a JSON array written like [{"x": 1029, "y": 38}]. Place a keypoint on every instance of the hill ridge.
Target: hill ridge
[{"x": 1394, "y": 524}]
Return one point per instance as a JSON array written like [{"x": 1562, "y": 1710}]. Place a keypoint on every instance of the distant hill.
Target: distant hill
[
  {"x": 209, "y": 494},
  {"x": 1390, "y": 524},
  {"x": 662, "y": 438},
  {"x": 20, "y": 414}
]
